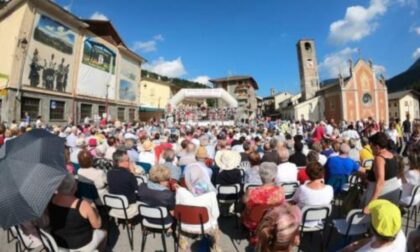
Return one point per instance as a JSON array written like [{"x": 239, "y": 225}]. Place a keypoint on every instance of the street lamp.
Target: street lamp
[{"x": 106, "y": 101}]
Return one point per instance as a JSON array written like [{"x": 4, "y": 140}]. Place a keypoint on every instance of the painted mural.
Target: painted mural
[
  {"x": 129, "y": 77},
  {"x": 97, "y": 71},
  {"x": 127, "y": 90},
  {"x": 50, "y": 55},
  {"x": 98, "y": 56}
]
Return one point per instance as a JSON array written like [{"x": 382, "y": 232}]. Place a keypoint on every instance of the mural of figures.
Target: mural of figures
[
  {"x": 50, "y": 53},
  {"x": 97, "y": 70}
]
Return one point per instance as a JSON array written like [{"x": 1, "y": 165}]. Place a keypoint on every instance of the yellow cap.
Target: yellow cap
[{"x": 385, "y": 217}]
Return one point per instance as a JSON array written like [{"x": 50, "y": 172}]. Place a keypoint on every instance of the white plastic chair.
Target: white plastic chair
[
  {"x": 159, "y": 213},
  {"x": 119, "y": 204}
]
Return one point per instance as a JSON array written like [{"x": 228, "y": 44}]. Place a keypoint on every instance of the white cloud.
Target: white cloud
[
  {"x": 170, "y": 68},
  {"x": 147, "y": 46},
  {"x": 379, "y": 69},
  {"x": 336, "y": 63},
  {"x": 415, "y": 29},
  {"x": 358, "y": 22},
  {"x": 158, "y": 37},
  {"x": 68, "y": 6},
  {"x": 203, "y": 79},
  {"x": 416, "y": 54},
  {"x": 98, "y": 16},
  {"x": 410, "y": 3}
]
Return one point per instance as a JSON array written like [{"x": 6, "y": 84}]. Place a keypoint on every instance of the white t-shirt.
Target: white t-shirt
[
  {"x": 322, "y": 159},
  {"x": 392, "y": 134},
  {"x": 399, "y": 244},
  {"x": 286, "y": 172},
  {"x": 306, "y": 196},
  {"x": 147, "y": 157}
]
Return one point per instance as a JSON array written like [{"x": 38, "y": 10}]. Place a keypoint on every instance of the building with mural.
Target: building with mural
[{"x": 61, "y": 67}]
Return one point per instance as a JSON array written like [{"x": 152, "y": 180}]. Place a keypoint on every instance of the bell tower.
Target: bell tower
[{"x": 308, "y": 68}]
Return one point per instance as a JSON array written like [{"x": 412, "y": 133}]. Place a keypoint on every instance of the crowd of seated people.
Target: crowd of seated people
[{"x": 190, "y": 166}]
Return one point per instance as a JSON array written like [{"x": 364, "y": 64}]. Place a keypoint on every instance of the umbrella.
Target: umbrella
[{"x": 32, "y": 167}]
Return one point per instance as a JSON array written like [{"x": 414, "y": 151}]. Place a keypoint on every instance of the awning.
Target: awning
[{"x": 150, "y": 109}]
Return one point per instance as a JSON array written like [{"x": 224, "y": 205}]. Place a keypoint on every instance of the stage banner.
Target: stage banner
[
  {"x": 50, "y": 56},
  {"x": 97, "y": 70},
  {"x": 129, "y": 77}
]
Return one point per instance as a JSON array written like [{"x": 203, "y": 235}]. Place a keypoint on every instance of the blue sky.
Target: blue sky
[{"x": 208, "y": 39}]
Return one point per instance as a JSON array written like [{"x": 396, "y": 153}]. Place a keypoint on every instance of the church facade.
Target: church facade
[{"x": 358, "y": 96}]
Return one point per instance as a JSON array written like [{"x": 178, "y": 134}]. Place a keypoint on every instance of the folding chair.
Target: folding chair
[
  {"x": 119, "y": 203},
  {"x": 141, "y": 180},
  {"x": 193, "y": 217},
  {"x": 314, "y": 213},
  {"x": 146, "y": 166},
  {"x": 20, "y": 244},
  {"x": 228, "y": 195},
  {"x": 289, "y": 189},
  {"x": 353, "y": 180},
  {"x": 11, "y": 234},
  {"x": 158, "y": 213},
  {"x": 244, "y": 165},
  {"x": 412, "y": 208},
  {"x": 355, "y": 223},
  {"x": 368, "y": 163},
  {"x": 249, "y": 186},
  {"x": 48, "y": 241}
]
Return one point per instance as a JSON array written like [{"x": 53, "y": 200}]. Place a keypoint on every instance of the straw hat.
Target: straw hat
[
  {"x": 147, "y": 145},
  {"x": 227, "y": 159},
  {"x": 201, "y": 153}
]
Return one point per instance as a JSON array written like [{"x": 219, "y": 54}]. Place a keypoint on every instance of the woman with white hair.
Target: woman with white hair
[
  {"x": 286, "y": 171},
  {"x": 268, "y": 194},
  {"x": 75, "y": 223}
]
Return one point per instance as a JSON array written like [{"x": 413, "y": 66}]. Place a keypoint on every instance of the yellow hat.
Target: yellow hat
[{"x": 385, "y": 217}]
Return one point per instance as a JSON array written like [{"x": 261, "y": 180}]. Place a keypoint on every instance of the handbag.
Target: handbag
[{"x": 352, "y": 199}]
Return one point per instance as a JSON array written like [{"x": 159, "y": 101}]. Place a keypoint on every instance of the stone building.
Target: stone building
[
  {"x": 357, "y": 96},
  {"x": 244, "y": 90},
  {"x": 61, "y": 67},
  {"x": 403, "y": 103}
]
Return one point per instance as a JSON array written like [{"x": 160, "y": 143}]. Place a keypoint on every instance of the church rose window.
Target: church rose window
[{"x": 367, "y": 99}]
